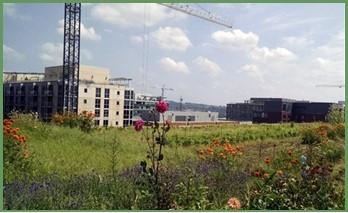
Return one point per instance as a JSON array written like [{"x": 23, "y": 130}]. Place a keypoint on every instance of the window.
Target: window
[
  {"x": 106, "y": 113},
  {"x": 106, "y": 104},
  {"x": 117, "y": 103},
  {"x": 116, "y": 123},
  {"x": 117, "y": 113},
  {"x": 85, "y": 90},
  {"x": 97, "y": 92},
  {"x": 97, "y": 113},
  {"x": 105, "y": 123},
  {"x": 107, "y": 93},
  {"x": 97, "y": 103},
  {"x": 118, "y": 92},
  {"x": 96, "y": 122},
  {"x": 85, "y": 101},
  {"x": 284, "y": 107}
]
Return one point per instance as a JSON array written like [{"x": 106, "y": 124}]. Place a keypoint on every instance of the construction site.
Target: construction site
[{"x": 170, "y": 106}]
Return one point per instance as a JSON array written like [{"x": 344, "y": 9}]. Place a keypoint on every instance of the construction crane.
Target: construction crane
[
  {"x": 71, "y": 56},
  {"x": 71, "y": 50},
  {"x": 202, "y": 14},
  {"x": 163, "y": 89},
  {"x": 331, "y": 85}
]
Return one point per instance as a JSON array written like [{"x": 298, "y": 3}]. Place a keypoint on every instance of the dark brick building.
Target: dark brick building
[
  {"x": 308, "y": 112},
  {"x": 275, "y": 110}
]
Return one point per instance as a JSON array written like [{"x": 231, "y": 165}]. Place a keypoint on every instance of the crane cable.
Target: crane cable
[{"x": 146, "y": 47}]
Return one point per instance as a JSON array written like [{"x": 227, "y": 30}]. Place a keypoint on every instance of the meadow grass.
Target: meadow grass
[{"x": 65, "y": 150}]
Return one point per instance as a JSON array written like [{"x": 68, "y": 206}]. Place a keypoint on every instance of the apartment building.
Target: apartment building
[{"x": 97, "y": 93}]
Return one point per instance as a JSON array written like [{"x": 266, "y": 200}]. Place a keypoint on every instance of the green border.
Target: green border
[
  {"x": 168, "y": 1},
  {"x": 1, "y": 117}
]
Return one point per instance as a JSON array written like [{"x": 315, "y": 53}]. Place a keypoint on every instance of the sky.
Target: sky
[{"x": 272, "y": 50}]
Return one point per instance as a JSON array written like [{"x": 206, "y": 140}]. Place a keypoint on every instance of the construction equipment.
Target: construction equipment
[
  {"x": 331, "y": 85},
  {"x": 202, "y": 14},
  {"x": 71, "y": 51},
  {"x": 71, "y": 56},
  {"x": 163, "y": 88}
]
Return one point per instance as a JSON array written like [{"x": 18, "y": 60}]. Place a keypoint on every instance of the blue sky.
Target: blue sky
[{"x": 273, "y": 50}]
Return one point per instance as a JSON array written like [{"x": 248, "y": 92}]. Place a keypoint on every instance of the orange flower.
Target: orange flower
[
  {"x": 267, "y": 160},
  {"x": 234, "y": 203},
  {"x": 26, "y": 153},
  {"x": 289, "y": 152},
  {"x": 16, "y": 137},
  {"x": 280, "y": 173},
  {"x": 294, "y": 162},
  {"x": 266, "y": 175}
]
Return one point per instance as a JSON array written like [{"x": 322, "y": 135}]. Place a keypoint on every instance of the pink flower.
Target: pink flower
[
  {"x": 162, "y": 106},
  {"x": 168, "y": 123},
  {"x": 138, "y": 125}
]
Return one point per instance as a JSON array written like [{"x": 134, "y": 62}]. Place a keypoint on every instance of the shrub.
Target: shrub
[
  {"x": 312, "y": 136},
  {"x": 335, "y": 115},
  {"x": 340, "y": 130},
  {"x": 313, "y": 190},
  {"x": 84, "y": 120},
  {"x": 16, "y": 152}
]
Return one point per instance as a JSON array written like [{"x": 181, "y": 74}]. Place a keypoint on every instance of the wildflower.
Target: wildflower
[
  {"x": 294, "y": 162},
  {"x": 266, "y": 175},
  {"x": 303, "y": 160},
  {"x": 280, "y": 173},
  {"x": 267, "y": 160},
  {"x": 234, "y": 203},
  {"x": 289, "y": 152},
  {"x": 257, "y": 173},
  {"x": 162, "y": 106},
  {"x": 138, "y": 125}
]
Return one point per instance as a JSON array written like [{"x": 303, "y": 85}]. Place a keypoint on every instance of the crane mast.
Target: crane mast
[{"x": 71, "y": 56}]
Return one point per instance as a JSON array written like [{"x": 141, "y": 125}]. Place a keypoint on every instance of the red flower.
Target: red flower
[
  {"x": 162, "y": 106},
  {"x": 138, "y": 125}
]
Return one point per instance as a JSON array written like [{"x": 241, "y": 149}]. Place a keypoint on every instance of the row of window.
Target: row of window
[
  {"x": 105, "y": 122},
  {"x": 106, "y": 103},
  {"x": 106, "y": 113},
  {"x": 98, "y": 92}
]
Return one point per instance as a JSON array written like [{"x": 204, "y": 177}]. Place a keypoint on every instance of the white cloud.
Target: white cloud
[
  {"x": 171, "y": 65},
  {"x": 10, "y": 10},
  {"x": 52, "y": 53},
  {"x": 132, "y": 15},
  {"x": 136, "y": 39},
  {"x": 207, "y": 65},
  {"x": 272, "y": 55},
  {"x": 286, "y": 22},
  {"x": 297, "y": 42},
  {"x": 108, "y": 30},
  {"x": 236, "y": 39},
  {"x": 12, "y": 53},
  {"x": 253, "y": 71},
  {"x": 171, "y": 38},
  {"x": 86, "y": 33}
]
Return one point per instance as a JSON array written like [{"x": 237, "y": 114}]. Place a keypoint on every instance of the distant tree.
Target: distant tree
[{"x": 335, "y": 115}]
